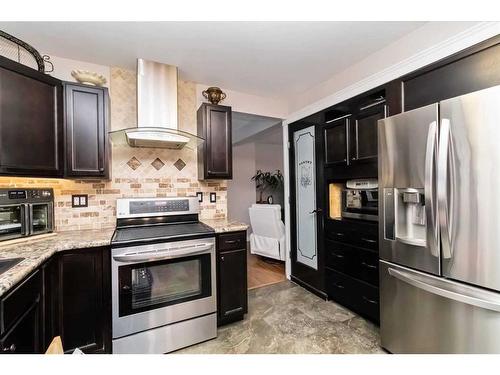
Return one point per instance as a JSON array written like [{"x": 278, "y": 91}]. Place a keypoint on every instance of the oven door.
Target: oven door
[
  {"x": 13, "y": 221},
  {"x": 160, "y": 284},
  {"x": 41, "y": 217}
]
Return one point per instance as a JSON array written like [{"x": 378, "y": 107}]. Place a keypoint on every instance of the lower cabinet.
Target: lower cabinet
[
  {"x": 20, "y": 317},
  {"x": 84, "y": 300},
  {"x": 351, "y": 265},
  {"x": 68, "y": 296},
  {"x": 232, "y": 293}
]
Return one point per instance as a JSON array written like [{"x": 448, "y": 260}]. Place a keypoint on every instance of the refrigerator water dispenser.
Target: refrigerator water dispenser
[{"x": 410, "y": 223}]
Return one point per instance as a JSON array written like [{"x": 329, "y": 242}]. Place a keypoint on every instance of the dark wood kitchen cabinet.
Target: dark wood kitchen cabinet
[
  {"x": 232, "y": 294},
  {"x": 86, "y": 130},
  {"x": 351, "y": 265},
  {"x": 31, "y": 122},
  {"x": 215, "y": 154},
  {"x": 84, "y": 300},
  {"x": 363, "y": 128},
  {"x": 21, "y": 318}
]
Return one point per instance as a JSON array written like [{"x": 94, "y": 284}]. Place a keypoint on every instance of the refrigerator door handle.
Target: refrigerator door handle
[
  {"x": 467, "y": 295},
  {"x": 444, "y": 206},
  {"x": 430, "y": 206}
]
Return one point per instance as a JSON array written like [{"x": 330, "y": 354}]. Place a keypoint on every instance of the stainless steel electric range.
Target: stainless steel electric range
[{"x": 163, "y": 276}]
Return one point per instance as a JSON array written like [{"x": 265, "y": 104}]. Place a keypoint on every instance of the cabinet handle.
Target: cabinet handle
[
  {"x": 339, "y": 286},
  {"x": 368, "y": 240},
  {"x": 232, "y": 241},
  {"x": 10, "y": 349},
  {"x": 339, "y": 234},
  {"x": 371, "y": 266},
  {"x": 366, "y": 299},
  {"x": 229, "y": 312},
  {"x": 337, "y": 255},
  {"x": 222, "y": 258},
  {"x": 126, "y": 287}
]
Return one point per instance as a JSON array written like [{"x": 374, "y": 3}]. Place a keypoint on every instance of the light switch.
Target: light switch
[{"x": 76, "y": 201}]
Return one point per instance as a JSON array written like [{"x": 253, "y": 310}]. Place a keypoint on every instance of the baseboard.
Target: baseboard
[{"x": 309, "y": 288}]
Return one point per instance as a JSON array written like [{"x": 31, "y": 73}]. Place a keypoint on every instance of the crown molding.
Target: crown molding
[{"x": 447, "y": 47}]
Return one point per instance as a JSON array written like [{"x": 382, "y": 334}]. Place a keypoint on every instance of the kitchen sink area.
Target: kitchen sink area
[{"x": 7, "y": 264}]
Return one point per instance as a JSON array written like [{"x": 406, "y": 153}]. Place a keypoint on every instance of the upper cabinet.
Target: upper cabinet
[
  {"x": 363, "y": 142},
  {"x": 86, "y": 128},
  {"x": 31, "y": 122},
  {"x": 215, "y": 154},
  {"x": 350, "y": 134}
]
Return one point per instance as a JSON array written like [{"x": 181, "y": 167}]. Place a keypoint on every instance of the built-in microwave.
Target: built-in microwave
[
  {"x": 360, "y": 199},
  {"x": 26, "y": 212}
]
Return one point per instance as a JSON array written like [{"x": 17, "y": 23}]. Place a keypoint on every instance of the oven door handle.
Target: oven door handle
[{"x": 165, "y": 254}]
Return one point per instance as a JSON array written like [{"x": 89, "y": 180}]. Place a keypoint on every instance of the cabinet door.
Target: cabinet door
[
  {"x": 83, "y": 292},
  {"x": 214, "y": 124},
  {"x": 364, "y": 140},
  {"x": 336, "y": 142},
  {"x": 86, "y": 131},
  {"x": 24, "y": 337},
  {"x": 232, "y": 293},
  {"x": 31, "y": 132}
]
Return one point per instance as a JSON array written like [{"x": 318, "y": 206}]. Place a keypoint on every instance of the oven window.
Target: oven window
[
  {"x": 11, "y": 221},
  {"x": 41, "y": 218},
  {"x": 147, "y": 286}
]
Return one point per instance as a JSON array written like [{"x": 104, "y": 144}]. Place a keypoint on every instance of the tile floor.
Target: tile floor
[{"x": 285, "y": 318}]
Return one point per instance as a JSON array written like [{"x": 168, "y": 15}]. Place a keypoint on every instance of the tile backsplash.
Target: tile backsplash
[{"x": 135, "y": 172}]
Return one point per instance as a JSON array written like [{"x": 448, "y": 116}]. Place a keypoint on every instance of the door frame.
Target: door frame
[{"x": 314, "y": 279}]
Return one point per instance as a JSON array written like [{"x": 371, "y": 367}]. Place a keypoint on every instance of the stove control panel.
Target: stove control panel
[{"x": 141, "y": 207}]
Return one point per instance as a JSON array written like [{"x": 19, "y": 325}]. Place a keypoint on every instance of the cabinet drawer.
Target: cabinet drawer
[
  {"x": 232, "y": 241},
  {"x": 20, "y": 300},
  {"x": 356, "y": 233},
  {"x": 354, "y": 294},
  {"x": 352, "y": 261},
  {"x": 337, "y": 232}
]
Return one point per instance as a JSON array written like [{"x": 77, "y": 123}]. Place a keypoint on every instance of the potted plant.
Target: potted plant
[{"x": 267, "y": 180}]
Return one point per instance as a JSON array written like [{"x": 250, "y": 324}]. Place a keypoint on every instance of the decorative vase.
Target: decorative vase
[{"x": 214, "y": 95}]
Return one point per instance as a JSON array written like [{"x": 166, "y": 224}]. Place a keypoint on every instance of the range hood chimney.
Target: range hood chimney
[{"x": 156, "y": 110}]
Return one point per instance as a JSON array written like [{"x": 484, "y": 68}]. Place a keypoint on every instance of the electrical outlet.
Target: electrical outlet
[{"x": 79, "y": 200}]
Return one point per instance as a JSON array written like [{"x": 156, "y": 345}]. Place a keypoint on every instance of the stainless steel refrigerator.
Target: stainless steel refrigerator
[{"x": 439, "y": 186}]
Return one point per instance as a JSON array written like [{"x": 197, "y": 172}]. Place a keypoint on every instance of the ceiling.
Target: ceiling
[{"x": 273, "y": 59}]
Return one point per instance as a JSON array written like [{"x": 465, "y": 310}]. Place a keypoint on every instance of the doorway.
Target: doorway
[{"x": 257, "y": 145}]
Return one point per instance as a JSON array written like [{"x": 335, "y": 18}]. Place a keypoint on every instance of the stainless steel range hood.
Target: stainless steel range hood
[{"x": 156, "y": 111}]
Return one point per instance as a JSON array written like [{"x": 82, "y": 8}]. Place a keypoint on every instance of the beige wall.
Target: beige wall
[{"x": 145, "y": 180}]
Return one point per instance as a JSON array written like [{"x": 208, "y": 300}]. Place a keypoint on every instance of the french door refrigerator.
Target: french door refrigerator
[{"x": 439, "y": 182}]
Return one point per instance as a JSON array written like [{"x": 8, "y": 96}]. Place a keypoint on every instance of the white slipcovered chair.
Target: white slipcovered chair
[{"x": 268, "y": 231}]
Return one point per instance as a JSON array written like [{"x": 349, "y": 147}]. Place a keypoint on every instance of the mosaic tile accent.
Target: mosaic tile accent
[
  {"x": 179, "y": 164},
  {"x": 146, "y": 181},
  {"x": 134, "y": 163},
  {"x": 157, "y": 164}
]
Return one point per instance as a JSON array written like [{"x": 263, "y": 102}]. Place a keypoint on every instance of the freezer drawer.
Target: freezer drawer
[{"x": 421, "y": 313}]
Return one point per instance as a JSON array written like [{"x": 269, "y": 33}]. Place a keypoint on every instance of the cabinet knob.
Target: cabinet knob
[
  {"x": 125, "y": 287},
  {"x": 10, "y": 349},
  {"x": 222, "y": 259}
]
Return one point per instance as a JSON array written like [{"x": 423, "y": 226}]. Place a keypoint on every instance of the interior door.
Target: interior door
[
  {"x": 306, "y": 213},
  {"x": 468, "y": 176}
]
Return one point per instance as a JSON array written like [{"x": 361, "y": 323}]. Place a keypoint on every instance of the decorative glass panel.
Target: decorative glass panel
[{"x": 305, "y": 181}]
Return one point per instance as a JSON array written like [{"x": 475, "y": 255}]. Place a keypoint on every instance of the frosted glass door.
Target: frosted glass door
[{"x": 305, "y": 187}]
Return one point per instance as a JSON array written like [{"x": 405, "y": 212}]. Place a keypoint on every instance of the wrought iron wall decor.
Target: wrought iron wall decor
[{"x": 17, "y": 50}]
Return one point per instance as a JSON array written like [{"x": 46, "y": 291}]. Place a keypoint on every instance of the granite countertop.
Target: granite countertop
[
  {"x": 225, "y": 225},
  {"x": 36, "y": 251}
]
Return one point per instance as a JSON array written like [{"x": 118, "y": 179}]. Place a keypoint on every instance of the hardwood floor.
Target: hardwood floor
[{"x": 263, "y": 271}]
